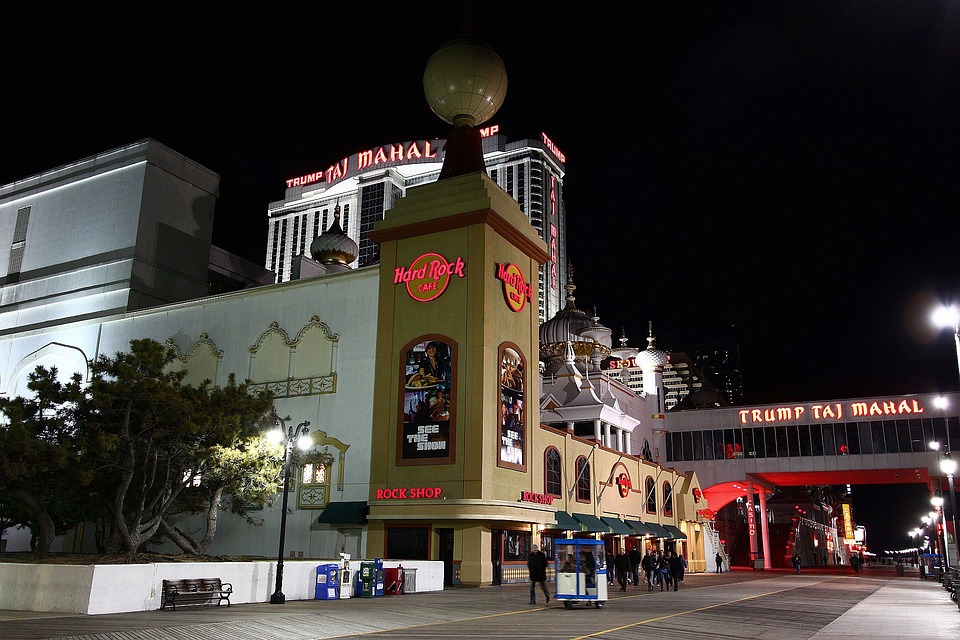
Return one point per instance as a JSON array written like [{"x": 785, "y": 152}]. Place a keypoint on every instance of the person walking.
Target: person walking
[
  {"x": 683, "y": 566},
  {"x": 537, "y": 567},
  {"x": 675, "y": 564},
  {"x": 719, "y": 560},
  {"x": 663, "y": 569},
  {"x": 796, "y": 562},
  {"x": 621, "y": 565},
  {"x": 634, "y": 557},
  {"x": 648, "y": 566}
]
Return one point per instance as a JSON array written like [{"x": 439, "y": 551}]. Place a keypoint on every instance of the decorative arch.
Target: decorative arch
[
  {"x": 67, "y": 359},
  {"x": 274, "y": 364},
  {"x": 201, "y": 361}
]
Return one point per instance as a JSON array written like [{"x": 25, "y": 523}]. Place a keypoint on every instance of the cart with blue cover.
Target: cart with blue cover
[{"x": 581, "y": 572}]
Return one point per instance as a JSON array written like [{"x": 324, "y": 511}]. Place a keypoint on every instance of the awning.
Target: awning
[
  {"x": 617, "y": 525},
  {"x": 658, "y": 531},
  {"x": 344, "y": 513},
  {"x": 640, "y": 529},
  {"x": 592, "y": 524},
  {"x": 565, "y": 522},
  {"x": 675, "y": 532}
]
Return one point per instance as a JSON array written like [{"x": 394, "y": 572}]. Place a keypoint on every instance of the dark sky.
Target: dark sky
[{"x": 786, "y": 169}]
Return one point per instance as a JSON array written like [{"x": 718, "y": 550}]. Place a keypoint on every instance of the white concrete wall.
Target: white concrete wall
[{"x": 96, "y": 589}]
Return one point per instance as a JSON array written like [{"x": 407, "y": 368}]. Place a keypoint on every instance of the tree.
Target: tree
[
  {"x": 44, "y": 473},
  {"x": 168, "y": 436}
]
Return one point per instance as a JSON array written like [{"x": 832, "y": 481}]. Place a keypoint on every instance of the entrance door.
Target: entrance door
[
  {"x": 446, "y": 554},
  {"x": 496, "y": 556}
]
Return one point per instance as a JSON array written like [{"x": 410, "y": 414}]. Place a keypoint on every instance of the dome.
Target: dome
[
  {"x": 651, "y": 357},
  {"x": 334, "y": 247},
  {"x": 596, "y": 331},
  {"x": 567, "y": 323},
  {"x": 465, "y": 82}
]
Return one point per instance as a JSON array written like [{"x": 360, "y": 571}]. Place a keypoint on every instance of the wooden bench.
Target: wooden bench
[{"x": 195, "y": 591}]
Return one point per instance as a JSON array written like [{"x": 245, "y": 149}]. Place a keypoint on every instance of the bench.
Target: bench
[{"x": 195, "y": 591}]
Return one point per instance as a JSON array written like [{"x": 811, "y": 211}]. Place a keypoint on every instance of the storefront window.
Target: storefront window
[
  {"x": 516, "y": 545},
  {"x": 408, "y": 543}
]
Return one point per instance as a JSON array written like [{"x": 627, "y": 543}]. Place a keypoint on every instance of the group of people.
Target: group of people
[{"x": 663, "y": 569}]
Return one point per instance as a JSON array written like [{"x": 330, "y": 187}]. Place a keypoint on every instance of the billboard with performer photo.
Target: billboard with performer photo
[
  {"x": 513, "y": 433},
  {"x": 427, "y": 409}
]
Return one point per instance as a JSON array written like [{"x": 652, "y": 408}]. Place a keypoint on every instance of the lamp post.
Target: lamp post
[
  {"x": 936, "y": 519},
  {"x": 288, "y": 436},
  {"x": 949, "y": 467}
]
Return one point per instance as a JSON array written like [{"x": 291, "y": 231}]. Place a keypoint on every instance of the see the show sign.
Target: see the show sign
[
  {"x": 516, "y": 290},
  {"x": 834, "y": 411},
  {"x": 427, "y": 277},
  {"x": 429, "y": 406},
  {"x": 536, "y": 498},
  {"x": 407, "y": 493}
]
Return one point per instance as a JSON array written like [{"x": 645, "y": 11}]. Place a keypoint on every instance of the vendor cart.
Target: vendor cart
[{"x": 581, "y": 572}]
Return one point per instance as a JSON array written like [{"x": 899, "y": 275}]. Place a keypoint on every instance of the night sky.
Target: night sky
[{"x": 787, "y": 172}]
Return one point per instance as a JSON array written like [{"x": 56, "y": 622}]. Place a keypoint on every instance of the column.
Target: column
[
  {"x": 751, "y": 523},
  {"x": 596, "y": 432},
  {"x": 619, "y": 439},
  {"x": 765, "y": 530},
  {"x": 607, "y": 438}
]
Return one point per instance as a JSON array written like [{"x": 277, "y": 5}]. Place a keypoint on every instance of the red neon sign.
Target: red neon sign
[
  {"x": 835, "y": 411},
  {"x": 415, "y": 493},
  {"x": 516, "y": 290},
  {"x": 553, "y": 148},
  {"x": 428, "y": 276},
  {"x": 624, "y": 484},
  {"x": 536, "y": 498}
]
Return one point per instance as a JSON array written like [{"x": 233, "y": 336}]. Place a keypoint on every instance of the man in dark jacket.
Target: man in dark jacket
[
  {"x": 648, "y": 567},
  {"x": 621, "y": 565},
  {"x": 675, "y": 565},
  {"x": 634, "y": 556},
  {"x": 537, "y": 566}
]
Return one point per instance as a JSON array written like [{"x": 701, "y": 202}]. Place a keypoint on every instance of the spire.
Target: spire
[{"x": 651, "y": 341}]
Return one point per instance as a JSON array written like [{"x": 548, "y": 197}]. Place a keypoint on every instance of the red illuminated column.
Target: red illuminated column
[
  {"x": 751, "y": 523},
  {"x": 763, "y": 532}
]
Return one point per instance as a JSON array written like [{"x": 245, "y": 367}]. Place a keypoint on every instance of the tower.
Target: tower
[{"x": 457, "y": 342}]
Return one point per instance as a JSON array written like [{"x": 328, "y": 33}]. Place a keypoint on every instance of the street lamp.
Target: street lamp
[
  {"x": 949, "y": 467},
  {"x": 288, "y": 436},
  {"x": 936, "y": 516}
]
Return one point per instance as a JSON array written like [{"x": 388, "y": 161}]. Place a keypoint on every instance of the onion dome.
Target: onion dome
[
  {"x": 651, "y": 357},
  {"x": 596, "y": 331},
  {"x": 334, "y": 247},
  {"x": 567, "y": 323},
  {"x": 624, "y": 352}
]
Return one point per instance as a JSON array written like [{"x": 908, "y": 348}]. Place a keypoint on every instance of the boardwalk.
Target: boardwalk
[{"x": 742, "y": 604}]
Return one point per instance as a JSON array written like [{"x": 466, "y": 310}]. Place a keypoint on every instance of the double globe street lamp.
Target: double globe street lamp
[{"x": 291, "y": 436}]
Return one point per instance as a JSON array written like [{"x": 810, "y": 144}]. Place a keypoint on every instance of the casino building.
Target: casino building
[{"x": 369, "y": 183}]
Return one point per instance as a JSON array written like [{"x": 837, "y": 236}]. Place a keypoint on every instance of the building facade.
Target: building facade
[{"x": 369, "y": 183}]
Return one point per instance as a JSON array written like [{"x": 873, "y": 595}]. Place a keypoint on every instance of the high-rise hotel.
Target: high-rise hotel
[{"x": 368, "y": 183}]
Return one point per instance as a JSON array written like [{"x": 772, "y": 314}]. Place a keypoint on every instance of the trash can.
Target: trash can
[
  {"x": 393, "y": 581},
  {"x": 328, "y": 581},
  {"x": 378, "y": 577},
  {"x": 409, "y": 580}
]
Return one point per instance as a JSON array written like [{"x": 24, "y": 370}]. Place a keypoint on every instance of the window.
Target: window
[
  {"x": 408, "y": 543},
  {"x": 651, "y": 493},
  {"x": 553, "y": 483},
  {"x": 314, "y": 489},
  {"x": 667, "y": 500},
  {"x": 516, "y": 545},
  {"x": 583, "y": 480}
]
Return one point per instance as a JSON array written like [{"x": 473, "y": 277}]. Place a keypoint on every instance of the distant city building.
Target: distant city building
[
  {"x": 719, "y": 363},
  {"x": 368, "y": 183}
]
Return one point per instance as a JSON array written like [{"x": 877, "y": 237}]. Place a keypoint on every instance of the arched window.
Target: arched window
[
  {"x": 667, "y": 500},
  {"x": 583, "y": 480},
  {"x": 651, "y": 494},
  {"x": 553, "y": 483},
  {"x": 645, "y": 452}
]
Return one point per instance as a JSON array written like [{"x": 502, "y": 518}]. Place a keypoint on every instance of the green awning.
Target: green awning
[
  {"x": 640, "y": 529},
  {"x": 344, "y": 513},
  {"x": 565, "y": 522},
  {"x": 617, "y": 525},
  {"x": 592, "y": 524},
  {"x": 675, "y": 532},
  {"x": 658, "y": 531}
]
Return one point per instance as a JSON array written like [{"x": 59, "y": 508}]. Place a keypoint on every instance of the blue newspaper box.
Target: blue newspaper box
[
  {"x": 379, "y": 577},
  {"x": 328, "y": 581}
]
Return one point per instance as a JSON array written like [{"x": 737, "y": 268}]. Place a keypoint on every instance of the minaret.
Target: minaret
[{"x": 456, "y": 399}]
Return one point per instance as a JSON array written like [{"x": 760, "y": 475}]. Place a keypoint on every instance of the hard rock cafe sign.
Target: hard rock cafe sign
[
  {"x": 516, "y": 290},
  {"x": 623, "y": 485},
  {"x": 427, "y": 277}
]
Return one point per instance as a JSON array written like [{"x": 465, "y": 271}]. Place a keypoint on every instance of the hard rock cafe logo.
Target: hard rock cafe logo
[
  {"x": 697, "y": 495},
  {"x": 516, "y": 290},
  {"x": 623, "y": 485},
  {"x": 428, "y": 276}
]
